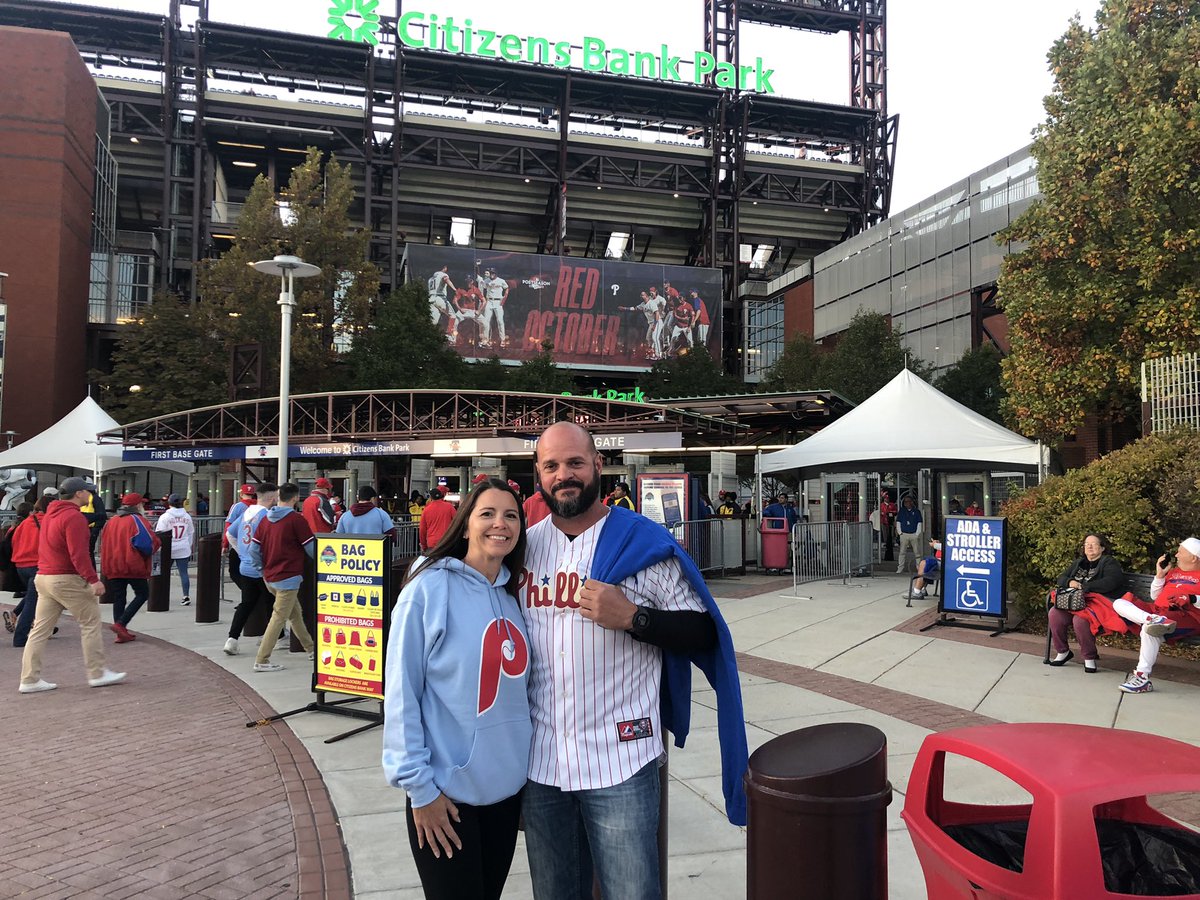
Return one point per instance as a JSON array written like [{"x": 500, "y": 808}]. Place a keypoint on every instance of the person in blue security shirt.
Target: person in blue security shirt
[
  {"x": 365, "y": 516},
  {"x": 457, "y": 726},
  {"x": 908, "y": 527}
]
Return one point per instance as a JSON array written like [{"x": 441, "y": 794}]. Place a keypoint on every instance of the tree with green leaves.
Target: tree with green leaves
[
  {"x": 403, "y": 349},
  {"x": 332, "y": 309},
  {"x": 1108, "y": 276},
  {"x": 798, "y": 368},
  {"x": 690, "y": 374},
  {"x": 167, "y": 361},
  {"x": 868, "y": 355},
  {"x": 974, "y": 381},
  {"x": 539, "y": 374}
]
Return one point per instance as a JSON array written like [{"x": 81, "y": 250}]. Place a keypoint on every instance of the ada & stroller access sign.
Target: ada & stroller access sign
[{"x": 975, "y": 566}]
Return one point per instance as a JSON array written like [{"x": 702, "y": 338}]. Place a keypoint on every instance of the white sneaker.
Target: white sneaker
[
  {"x": 107, "y": 678},
  {"x": 1158, "y": 626},
  {"x": 267, "y": 667},
  {"x": 40, "y": 685},
  {"x": 284, "y": 640},
  {"x": 186, "y": 601},
  {"x": 230, "y": 647}
]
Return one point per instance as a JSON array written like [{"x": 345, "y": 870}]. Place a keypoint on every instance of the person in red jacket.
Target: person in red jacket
[
  {"x": 535, "y": 507},
  {"x": 123, "y": 566},
  {"x": 25, "y": 539},
  {"x": 435, "y": 519},
  {"x": 317, "y": 508},
  {"x": 67, "y": 580}
]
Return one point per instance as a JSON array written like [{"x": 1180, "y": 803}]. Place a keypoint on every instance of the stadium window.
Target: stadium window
[
  {"x": 762, "y": 256},
  {"x": 462, "y": 231},
  {"x": 618, "y": 243}
]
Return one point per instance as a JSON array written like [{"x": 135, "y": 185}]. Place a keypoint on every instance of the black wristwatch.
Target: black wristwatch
[{"x": 641, "y": 621}]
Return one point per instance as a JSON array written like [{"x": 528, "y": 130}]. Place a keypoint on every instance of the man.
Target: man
[
  {"x": 703, "y": 322},
  {"x": 685, "y": 319},
  {"x": 317, "y": 508},
  {"x": 241, "y": 535},
  {"x": 178, "y": 523},
  {"x": 439, "y": 287},
  {"x": 908, "y": 527},
  {"x": 602, "y": 647},
  {"x": 365, "y": 516},
  {"x": 619, "y": 496},
  {"x": 652, "y": 307},
  {"x": 435, "y": 519},
  {"x": 495, "y": 291},
  {"x": 67, "y": 580},
  {"x": 468, "y": 305},
  {"x": 124, "y": 565},
  {"x": 279, "y": 547},
  {"x": 248, "y": 497},
  {"x": 729, "y": 507},
  {"x": 778, "y": 509},
  {"x": 96, "y": 515},
  {"x": 974, "y": 509}
]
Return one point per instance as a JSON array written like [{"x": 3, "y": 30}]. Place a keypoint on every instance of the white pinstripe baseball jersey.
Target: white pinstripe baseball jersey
[{"x": 593, "y": 692}]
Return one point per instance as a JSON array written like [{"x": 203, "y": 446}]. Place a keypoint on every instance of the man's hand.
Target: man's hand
[
  {"x": 98, "y": 588},
  {"x": 606, "y": 605},
  {"x": 1163, "y": 566},
  {"x": 434, "y": 828}
]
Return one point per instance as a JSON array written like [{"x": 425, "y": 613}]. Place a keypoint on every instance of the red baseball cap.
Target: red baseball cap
[
  {"x": 480, "y": 478},
  {"x": 516, "y": 487},
  {"x": 325, "y": 484},
  {"x": 249, "y": 490},
  {"x": 132, "y": 499}
]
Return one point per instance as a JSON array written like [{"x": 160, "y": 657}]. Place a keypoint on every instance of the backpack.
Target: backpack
[{"x": 141, "y": 540}]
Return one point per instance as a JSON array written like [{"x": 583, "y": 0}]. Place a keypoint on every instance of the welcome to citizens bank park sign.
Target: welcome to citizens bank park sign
[{"x": 358, "y": 20}]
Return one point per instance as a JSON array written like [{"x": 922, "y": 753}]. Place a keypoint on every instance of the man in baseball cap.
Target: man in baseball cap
[
  {"x": 126, "y": 565},
  {"x": 248, "y": 493},
  {"x": 63, "y": 559},
  {"x": 317, "y": 508}
]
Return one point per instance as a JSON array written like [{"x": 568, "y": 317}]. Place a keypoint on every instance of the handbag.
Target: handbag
[{"x": 1069, "y": 599}]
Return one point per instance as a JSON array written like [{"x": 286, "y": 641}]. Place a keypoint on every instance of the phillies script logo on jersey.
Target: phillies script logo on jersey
[
  {"x": 504, "y": 653},
  {"x": 557, "y": 591}
]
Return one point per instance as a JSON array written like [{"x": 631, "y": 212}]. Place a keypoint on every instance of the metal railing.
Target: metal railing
[
  {"x": 830, "y": 550},
  {"x": 713, "y": 544}
]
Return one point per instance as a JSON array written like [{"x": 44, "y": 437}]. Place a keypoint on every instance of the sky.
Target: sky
[{"x": 967, "y": 77}]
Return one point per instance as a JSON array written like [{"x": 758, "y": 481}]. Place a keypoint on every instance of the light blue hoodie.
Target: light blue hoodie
[
  {"x": 239, "y": 532},
  {"x": 456, "y": 712}
]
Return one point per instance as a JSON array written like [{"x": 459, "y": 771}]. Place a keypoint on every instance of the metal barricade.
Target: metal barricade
[
  {"x": 830, "y": 550},
  {"x": 408, "y": 541},
  {"x": 713, "y": 544}
]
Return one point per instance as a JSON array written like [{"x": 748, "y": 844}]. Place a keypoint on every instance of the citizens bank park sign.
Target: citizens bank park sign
[{"x": 358, "y": 20}]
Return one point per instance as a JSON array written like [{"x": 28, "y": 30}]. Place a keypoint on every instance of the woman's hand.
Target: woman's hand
[
  {"x": 1074, "y": 584},
  {"x": 434, "y": 828}
]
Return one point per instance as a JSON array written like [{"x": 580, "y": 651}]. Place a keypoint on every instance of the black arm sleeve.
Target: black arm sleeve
[
  {"x": 682, "y": 631},
  {"x": 1065, "y": 578},
  {"x": 1109, "y": 580}
]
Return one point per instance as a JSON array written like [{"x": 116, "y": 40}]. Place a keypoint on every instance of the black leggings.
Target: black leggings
[
  {"x": 477, "y": 871},
  {"x": 254, "y": 593}
]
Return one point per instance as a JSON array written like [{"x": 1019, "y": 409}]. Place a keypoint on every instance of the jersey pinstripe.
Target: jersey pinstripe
[{"x": 593, "y": 692}]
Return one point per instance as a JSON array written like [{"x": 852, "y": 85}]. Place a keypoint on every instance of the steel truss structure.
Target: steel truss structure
[
  {"x": 414, "y": 415},
  {"x": 732, "y": 167}
]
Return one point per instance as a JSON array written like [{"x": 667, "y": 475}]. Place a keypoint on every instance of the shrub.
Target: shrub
[{"x": 1143, "y": 496}]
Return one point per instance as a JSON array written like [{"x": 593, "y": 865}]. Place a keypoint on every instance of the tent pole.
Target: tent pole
[{"x": 758, "y": 490}]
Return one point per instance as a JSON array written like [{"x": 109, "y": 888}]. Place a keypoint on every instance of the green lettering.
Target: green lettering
[
  {"x": 510, "y": 47},
  {"x": 644, "y": 64},
  {"x": 485, "y": 42},
  {"x": 562, "y": 54},
  {"x": 593, "y": 54},
  {"x": 762, "y": 77},
  {"x": 618, "y": 61},
  {"x": 537, "y": 50},
  {"x": 668, "y": 66},
  {"x": 402, "y": 29},
  {"x": 704, "y": 64},
  {"x": 726, "y": 76}
]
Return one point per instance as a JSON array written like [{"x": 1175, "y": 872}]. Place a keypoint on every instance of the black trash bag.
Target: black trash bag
[
  {"x": 1148, "y": 860},
  {"x": 1000, "y": 843}
]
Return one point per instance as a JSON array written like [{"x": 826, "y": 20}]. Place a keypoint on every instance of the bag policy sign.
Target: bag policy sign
[{"x": 353, "y": 577}]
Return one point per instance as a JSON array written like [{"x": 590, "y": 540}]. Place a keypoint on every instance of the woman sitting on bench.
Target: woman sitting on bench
[{"x": 1101, "y": 578}]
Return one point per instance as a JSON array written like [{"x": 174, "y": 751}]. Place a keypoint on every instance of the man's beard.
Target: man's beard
[{"x": 575, "y": 506}]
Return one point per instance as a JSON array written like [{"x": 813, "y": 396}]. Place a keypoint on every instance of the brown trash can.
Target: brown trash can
[
  {"x": 160, "y": 583},
  {"x": 208, "y": 579},
  {"x": 817, "y": 814}
]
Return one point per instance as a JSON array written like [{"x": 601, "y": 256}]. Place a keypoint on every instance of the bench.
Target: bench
[{"x": 1136, "y": 584}]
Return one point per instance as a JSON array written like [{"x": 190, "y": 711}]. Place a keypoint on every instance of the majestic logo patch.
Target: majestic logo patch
[{"x": 634, "y": 730}]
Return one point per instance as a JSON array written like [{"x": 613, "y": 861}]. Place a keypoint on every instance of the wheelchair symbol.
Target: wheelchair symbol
[{"x": 968, "y": 596}]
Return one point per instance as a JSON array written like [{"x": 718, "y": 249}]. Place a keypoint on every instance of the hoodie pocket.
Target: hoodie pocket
[{"x": 497, "y": 767}]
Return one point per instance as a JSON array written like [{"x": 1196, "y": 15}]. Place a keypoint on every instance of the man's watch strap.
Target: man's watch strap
[{"x": 641, "y": 622}]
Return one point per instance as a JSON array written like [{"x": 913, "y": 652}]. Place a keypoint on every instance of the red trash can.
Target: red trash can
[
  {"x": 776, "y": 552},
  {"x": 1088, "y": 832}
]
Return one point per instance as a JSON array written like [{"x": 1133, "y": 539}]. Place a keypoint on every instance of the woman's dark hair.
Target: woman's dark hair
[
  {"x": 1105, "y": 544},
  {"x": 453, "y": 544},
  {"x": 24, "y": 508},
  {"x": 43, "y": 503}
]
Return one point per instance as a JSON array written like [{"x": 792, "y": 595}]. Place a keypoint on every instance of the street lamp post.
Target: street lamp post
[{"x": 287, "y": 268}]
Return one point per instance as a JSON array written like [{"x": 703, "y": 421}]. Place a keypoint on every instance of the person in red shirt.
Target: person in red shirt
[
  {"x": 535, "y": 507},
  {"x": 67, "y": 580},
  {"x": 974, "y": 509},
  {"x": 123, "y": 566},
  {"x": 25, "y": 538},
  {"x": 318, "y": 510},
  {"x": 435, "y": 519},
  {"x": 280, "y": 547}
]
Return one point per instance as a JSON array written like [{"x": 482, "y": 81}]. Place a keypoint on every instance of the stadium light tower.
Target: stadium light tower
[{"x": 287, "y": 268}]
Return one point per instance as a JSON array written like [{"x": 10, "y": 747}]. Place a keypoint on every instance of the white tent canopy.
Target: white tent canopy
[
  {"x": 71, "y": 443},
  {"x": 906, "y": 425}
]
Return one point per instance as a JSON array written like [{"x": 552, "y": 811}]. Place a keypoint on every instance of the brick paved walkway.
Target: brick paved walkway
[{"x": 156, "y": 788}]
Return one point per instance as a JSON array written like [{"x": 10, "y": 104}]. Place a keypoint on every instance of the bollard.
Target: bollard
[
  {"x": 817, "y": 814},
  {"x": 208, "y": 579},
  {"x": 160, "y": 577}
]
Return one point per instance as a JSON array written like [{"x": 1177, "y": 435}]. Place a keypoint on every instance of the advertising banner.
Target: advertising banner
[
  {"x": 974, "y": 560},
  {"x": 663, "y": 497},
  {"x": 353, "y": 603},
  {"x": 600, "y": 314}
]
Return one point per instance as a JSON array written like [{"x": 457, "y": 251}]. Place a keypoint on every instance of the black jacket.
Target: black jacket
[{"x": 1109, "y": 577}]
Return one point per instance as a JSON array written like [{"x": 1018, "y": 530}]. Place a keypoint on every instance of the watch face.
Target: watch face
[{"x": 641, "y": 619}]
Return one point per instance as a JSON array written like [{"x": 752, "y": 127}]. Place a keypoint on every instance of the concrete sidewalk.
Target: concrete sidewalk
[{"x": 842, "y": 652}]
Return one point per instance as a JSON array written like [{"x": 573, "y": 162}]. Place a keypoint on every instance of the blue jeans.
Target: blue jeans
[
  {"x": 614, "y": 829},
  {"x": 28, "y": 606},
  {"x": 117, "y": 588},
  {"x": 181, "y": 565}
]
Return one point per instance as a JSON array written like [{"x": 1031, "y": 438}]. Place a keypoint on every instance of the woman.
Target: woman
[
  {"x": 1101, "y": 578},
  {"x": 457, "y": 730},
  {"x": 25, "y": 540}
]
